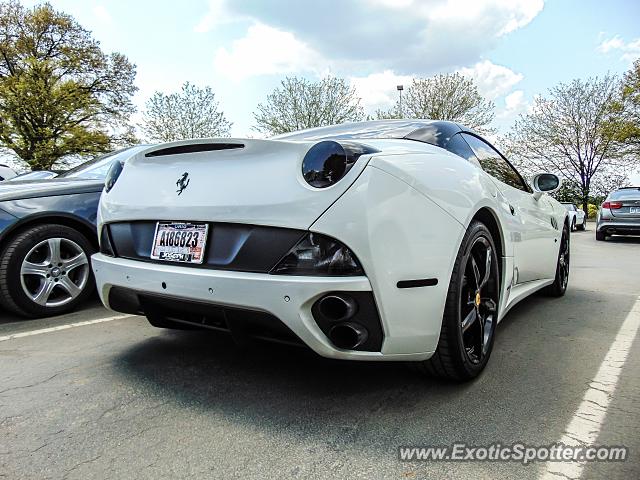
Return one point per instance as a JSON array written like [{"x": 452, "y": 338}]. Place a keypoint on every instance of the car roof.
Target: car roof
[{"x": 435, "y": 132}]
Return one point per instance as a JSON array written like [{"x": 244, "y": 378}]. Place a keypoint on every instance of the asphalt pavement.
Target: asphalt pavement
[{"x": 120, "y": 399}]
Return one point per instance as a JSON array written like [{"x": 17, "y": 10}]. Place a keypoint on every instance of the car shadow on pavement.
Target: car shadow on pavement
[{"x": 274, "y": 387}]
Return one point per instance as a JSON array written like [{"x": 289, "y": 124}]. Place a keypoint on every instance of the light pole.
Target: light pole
[{"x": 400, "y": 88}]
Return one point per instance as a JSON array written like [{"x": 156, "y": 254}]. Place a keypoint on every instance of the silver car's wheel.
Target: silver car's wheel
[
  {"x": 45, "y": 270},
  {"x": 54, "y": 272}
]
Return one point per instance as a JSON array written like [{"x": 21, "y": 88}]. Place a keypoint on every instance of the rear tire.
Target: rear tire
[
  {"x": 471, "y": 310},
  {"x": 583, "y": 225},
  {"x": 600, "y": 236},
  {"x": 573, "y": 225},
  {"x": 45, "y": 270},
  {"x": 559, "y": 286}
]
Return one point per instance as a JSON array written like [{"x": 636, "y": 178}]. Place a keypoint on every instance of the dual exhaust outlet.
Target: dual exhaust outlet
[{"x": 344, "y": 333}]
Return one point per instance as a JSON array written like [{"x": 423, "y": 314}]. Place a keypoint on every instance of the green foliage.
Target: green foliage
[
  {"x": 300, "y": 104},
  {"x": 629, "y": 107},
  {"x": 592, "y": 210},
  {"x": 444, "y": 97},
  {"x": 192, "y": 113},
  {"x": 59, "y": 93}
]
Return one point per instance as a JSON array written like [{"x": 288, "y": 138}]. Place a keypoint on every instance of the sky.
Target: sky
[{"x": 514, "y": 49}]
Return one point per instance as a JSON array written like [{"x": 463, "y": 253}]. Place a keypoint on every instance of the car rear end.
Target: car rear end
[
  {"x": 275, "y": 240},
  {"x": 620, "y": 213}
]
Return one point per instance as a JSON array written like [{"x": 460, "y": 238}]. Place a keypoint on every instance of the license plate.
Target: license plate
[
  {"x": 634, "y": 209},
  {"x": 180, "y": 242}
]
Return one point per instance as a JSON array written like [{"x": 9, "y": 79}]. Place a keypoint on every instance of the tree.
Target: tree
[
  {"x": 628, "y": 105},
  {"x": 59, "y": 93},
  {"x": 299, "y": 104},
  {"x": 574, "y": 133},
  {"x": 445, "y": 97},
  {"x": 192, "y": 113}
]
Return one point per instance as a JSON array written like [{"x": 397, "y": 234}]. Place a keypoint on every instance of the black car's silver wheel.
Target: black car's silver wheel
[
  {"x": 54, "y": 272},
  {"x": 45, "y": 270}
]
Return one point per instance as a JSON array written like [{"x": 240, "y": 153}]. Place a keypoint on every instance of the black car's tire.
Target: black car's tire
[
  {"x": 471, "y": 310},
  {"x": 600, "y": 236},
  {"x": 159, "y": 321},
  {"x": 559, "y": 286},
  {"x": 45, "y": 270}
]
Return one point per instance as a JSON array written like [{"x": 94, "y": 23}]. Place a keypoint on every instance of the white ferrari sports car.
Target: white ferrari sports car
[{"x": 399, "y": 240}]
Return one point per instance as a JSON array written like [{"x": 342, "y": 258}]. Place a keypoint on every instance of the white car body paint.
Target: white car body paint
[
  {"x": 576, "y": 215},
  {"x": 6, "y": 173},
  {"x": 402, "y": 211}
]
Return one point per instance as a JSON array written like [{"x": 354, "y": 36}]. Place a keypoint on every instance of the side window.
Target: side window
[
  {"x": 459, "y": 147},
  {"x": 494, "y": 164}
]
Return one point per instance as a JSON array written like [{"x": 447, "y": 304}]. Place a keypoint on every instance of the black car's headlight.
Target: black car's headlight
[
  {"x": 327, "y": 162},
  {"x": 320, "y": 255},
  {"x": 112, "y": 175}
]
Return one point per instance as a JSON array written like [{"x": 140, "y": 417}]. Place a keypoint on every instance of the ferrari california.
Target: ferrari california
[{"x": 399, "y": 240}]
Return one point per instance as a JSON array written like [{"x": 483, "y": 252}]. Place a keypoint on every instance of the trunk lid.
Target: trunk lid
[
  {"x": 630, "y": 201},
  {"x": 222, "y": 180}
]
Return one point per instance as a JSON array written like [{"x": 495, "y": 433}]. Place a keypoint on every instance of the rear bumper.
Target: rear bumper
[
  {"x": 618, "y": 226},
  {"x": 287, "y": 298}
]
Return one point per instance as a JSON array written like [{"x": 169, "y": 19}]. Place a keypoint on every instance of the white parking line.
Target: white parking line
[
  {"x": 62, "y": 327},
  {"x": 586, "y": 423}
]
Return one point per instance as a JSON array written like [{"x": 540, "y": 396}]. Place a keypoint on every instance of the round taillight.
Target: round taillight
[{"x": 324, "y": 164}]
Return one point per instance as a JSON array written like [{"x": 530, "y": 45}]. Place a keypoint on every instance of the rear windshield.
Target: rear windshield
[
  {"x": 375, "y": 129},
  {"x": 625, "y": 194}
]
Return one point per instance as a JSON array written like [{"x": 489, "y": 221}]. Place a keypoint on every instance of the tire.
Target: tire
[
  {"x": 600, "y": 236},
  {"x": 159, "y": 321},
  {"x": 33, "y": 284},
  {"x": 583, "y": 225},
  {"x": 457, "y": 356},
  {"x": 559, "y": 286},
  {"x": 573, "y": 225}
]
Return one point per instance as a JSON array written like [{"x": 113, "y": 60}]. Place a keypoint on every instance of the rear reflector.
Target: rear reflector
[{"x": 612, "y": 205}]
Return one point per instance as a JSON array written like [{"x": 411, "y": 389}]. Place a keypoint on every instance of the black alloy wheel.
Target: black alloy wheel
[
  {"x": 471, "y": 310},
  {"x": 559, "y": 285}
]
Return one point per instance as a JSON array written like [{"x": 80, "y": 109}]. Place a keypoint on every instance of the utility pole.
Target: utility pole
[{"x": 400, "y": 88}]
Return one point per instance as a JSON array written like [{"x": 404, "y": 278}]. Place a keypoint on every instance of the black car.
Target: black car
[{"x": 47, "y": 236}]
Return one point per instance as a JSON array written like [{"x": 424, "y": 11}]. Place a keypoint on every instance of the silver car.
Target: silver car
[{"x": 619, "y": 214}]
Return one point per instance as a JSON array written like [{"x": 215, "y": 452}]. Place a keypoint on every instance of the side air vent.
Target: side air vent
[{"x": 194, "y": 148}]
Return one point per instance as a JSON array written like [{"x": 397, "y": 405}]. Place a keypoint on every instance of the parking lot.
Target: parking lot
[{"x": 120, "y": 399}]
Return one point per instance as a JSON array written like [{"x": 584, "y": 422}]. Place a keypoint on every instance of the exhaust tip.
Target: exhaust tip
[
  {"x": 337, "y": 308},
  {"x": 348, "y": 335}
]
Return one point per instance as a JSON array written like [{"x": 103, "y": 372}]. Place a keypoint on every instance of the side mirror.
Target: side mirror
[{"x": 544, "y": 183}]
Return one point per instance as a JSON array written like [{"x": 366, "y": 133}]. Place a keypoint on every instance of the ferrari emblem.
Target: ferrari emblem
[{"x": 183, "y": 182}]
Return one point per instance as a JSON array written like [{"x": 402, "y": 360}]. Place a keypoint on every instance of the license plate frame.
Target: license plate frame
[{"x": 170, "y": 245}]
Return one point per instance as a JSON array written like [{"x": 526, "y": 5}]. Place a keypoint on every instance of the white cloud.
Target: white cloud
[
  {"x": 507, "y": 15},
  {"x": 419, "y": 37},
  {"x": 514, "y": 105},
  {"x": 102, "y": 14},
  {"x": 217, "y": 14},
  {"x": 492, "y": 80},
  {"x": 630, "y": 51},
  {"x": 378, "y": 90},
  {"x": 266, "y": 50}
]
